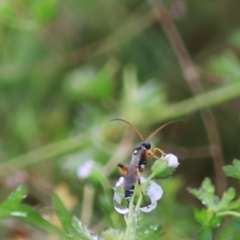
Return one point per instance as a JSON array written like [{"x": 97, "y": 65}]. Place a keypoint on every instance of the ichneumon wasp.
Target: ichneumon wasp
[{"x": 140, "y": 154}]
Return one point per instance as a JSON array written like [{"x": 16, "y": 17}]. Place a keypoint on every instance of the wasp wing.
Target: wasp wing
[{"x": 131, "y": 176}]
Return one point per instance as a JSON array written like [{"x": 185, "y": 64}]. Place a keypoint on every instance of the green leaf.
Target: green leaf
[
  {"x": 11, "y": 207},
  {"x": 233, "y": 170},
  {"x": 12, "y": 201},
  {"x": 152, "y": 232},
  {"x": 206, "y": 194},
  {"x": 25, "y": 213},
  {"x": 81, "y": 232},
  {"x": 207, "y": 218},
  {"x": 196, "y": 193},
  {"x": 201, "y": 216},
  {"x": 72, "y": 225},
  {"x": 62, "y": 213},
  {"x": 205, "y": 233},
  {"x": 226, "y": 65},
  {"x": 15, "y": 197},
  {"x": 234, "y": 205},
  {"x": 226, "y": 199},
  {"x": 160, "y": 169},
  {"x": 109, "y": 234},
  {"x": 236, "y": 163},
  {"x": 112, "y": 234},
  {"x": 85, "y": 83}
]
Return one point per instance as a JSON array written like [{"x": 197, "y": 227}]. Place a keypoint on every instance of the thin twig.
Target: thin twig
[
  {"x": 192, "y": 76},
  {"x": 87, "y": 205}
]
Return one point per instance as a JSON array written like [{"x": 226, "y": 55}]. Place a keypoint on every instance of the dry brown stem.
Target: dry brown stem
[{"x": 192, "y": 77}]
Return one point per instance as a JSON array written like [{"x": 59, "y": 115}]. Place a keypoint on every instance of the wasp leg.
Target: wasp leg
[
  {"x": 153, "y": 151},
  {"x": 123, "y": 169},
  {"x": 139, "y": 183}
]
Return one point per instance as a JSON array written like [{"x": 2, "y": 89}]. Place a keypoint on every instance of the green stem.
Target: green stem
[
  {"x": 47, "y": 152},
  {"x": 143, "y": 190},
  {"x": 129, "y": 218},
  {"x": 229, "y": 213}
]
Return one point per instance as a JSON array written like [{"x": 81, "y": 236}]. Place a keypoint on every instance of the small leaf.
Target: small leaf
[
  {"x": 226, "y": 199},
  {"x": 207, "y": 218},
  {"x": 233, "y": 170},
  {"x": 206, "y": 194},
  {"x": 12, "y": 201},
  {"x": 205, "y": 233},
  {"x": 215, "y": 221},
  {"x": 234, "y": 205},
  {"x": 201, "y": 216},
  {"x": 15, "y": 197},
  {"x": 81, "y": 232},
  {"x": 195, "y": 193},
  {"x": 112, "y": 234},
  {"x": 147, "y": 232},
  {"x": 62, "y": 213},
  {"x": 236, "y": 163}
]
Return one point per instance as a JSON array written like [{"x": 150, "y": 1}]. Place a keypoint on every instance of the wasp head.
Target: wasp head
[{"x": 142, "y": 145}]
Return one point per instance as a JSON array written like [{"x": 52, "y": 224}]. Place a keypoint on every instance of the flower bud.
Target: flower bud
[
  {"x": 171, "y": 159},
  {"x": 165, "y": 166}
]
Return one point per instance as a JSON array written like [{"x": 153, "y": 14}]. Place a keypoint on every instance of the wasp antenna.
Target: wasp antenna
[
  {"x": 161, "y": 127},
  {"x": 133, "y": 127}
]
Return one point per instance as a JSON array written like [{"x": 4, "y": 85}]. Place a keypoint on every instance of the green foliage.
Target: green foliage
[
  {"x": 215, "y": 209},
  {"x": 68, "y": 67},
  {"x": 205, "y": 233},
  {"x": 72, "y": 226},
  {"x": 226, "y": 65},
  {"x": 62, "y": 213},
  {"x": 45, "y": 10},
  {"x": 87, "y": 84},
  {"x": 12, "y": 207},
  {"x": 110, "y": 234},
  {"x": 233, "y": 170},
  {"x": 161, "y": 170}
]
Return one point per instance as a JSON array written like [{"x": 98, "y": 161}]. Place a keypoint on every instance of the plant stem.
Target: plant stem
[
  {"x": 229, "y": 213},
  {"x": 133, "y": 214},
  {"x": 192, "y": 77},
  {"x": 130, "y": 218},
  {"x": 146, "y": 183}
]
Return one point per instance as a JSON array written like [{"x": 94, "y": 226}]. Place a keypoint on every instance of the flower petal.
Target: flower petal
[
  {"x": 155, "y": 191},
  {"x": 149, "y": 207},
  {"x": 172, "y": 160}
]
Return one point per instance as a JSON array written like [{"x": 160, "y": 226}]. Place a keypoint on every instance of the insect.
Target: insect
[
  {"x": 131, "y": 172},
  {"x": 138, "y": 161}
]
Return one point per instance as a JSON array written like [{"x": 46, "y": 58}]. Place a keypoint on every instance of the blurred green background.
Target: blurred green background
[{"x": 69, "y": 67}]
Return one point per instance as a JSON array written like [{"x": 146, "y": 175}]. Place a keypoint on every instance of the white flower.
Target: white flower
[
  {"x": 172, "y": 160},
  {"x": 154, "y": 193}
]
